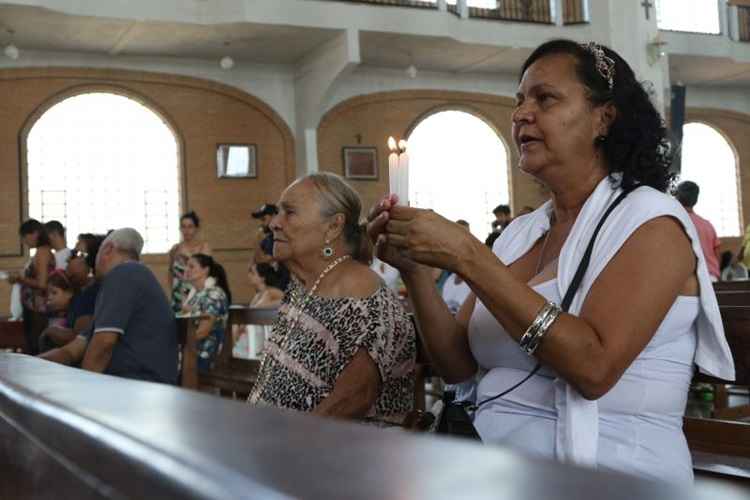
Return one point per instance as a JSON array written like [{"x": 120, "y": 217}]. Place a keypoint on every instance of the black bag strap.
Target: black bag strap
[{"x": 570, "y": 293}]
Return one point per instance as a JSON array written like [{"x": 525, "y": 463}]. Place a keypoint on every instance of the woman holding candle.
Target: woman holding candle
[
  {"x": 603, "y": 382},
  {"x": 342, "y": 345}
]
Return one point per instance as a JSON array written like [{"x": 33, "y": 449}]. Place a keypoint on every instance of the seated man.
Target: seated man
[
  {"x": 81, "y": 312},
  {"x": 134, "y": 334}
]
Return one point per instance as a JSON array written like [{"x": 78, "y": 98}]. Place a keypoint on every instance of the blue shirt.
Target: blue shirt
[
  {"x": 83, "y": 304},
  {"x": 132, "y": 304}
]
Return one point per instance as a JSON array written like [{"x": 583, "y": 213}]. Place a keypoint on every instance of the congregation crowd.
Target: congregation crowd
[{"x": 569, "y": 354}]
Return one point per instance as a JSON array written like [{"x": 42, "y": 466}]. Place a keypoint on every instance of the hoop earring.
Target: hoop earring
[{"x": 328, "y": 251}]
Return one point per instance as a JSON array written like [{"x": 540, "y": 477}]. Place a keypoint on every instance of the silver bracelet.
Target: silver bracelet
[
  {"x": 533, "y": 335},
  {"x": 530, "y": 332}
]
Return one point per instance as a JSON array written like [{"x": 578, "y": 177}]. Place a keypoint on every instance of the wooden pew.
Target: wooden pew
[
  {"x": 732, "y": 286},
  {"x": 70, "y": 434},
  {"x": 232, "y": 376},
  {"x": 720, "y": 444},
  {"x": 733, "y": 298},
  {"x": 11, "y": 335}
]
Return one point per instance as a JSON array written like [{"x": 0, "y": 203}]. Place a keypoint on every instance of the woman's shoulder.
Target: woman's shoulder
[
  {"x": 645, "y": 204},
  {"x": 357, "y": 281},
  {"x": 646, "y": 197}
]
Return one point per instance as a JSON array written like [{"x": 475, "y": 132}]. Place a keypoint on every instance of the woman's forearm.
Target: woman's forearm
[{"x": 444, "y": 338}]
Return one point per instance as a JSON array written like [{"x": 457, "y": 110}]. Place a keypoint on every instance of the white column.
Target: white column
[
  {"x": 442, "y": 5},
  {"x": 723, "y": 21},
  {"x": 733, "y": 26},
  {"x": 629, "y": 33},
  {"x": 557, "y": 12},
  {"x": 315, "y": 77},
  {"x": 463, "y": 9}
]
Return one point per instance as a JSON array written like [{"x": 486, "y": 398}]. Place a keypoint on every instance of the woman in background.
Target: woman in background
[
  {"x": 210, "y": 299},
  {"x": 33, "y": 281},
  {"x": 190, "y": 245}
]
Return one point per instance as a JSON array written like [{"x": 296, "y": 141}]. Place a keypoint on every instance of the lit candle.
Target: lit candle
[
  {"x": 403, "y": 179},
  {"x": 392, "y": 167},
  {"x": 403, "y": 172},
  {"x": 393, "y": 175}
]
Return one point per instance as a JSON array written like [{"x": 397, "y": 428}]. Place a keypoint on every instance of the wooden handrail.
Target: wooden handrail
[{"x": 77, "y": 434}]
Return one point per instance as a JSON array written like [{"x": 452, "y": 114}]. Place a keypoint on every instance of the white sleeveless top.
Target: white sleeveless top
[
  {"x": 577, "y": 421},
  {"x": 640, "y": 418}
]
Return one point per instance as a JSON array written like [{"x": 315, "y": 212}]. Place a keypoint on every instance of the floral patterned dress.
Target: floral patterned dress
[
  {"x": 180, "y": 286},
  {"x": 35, "y": 299},
  {"x": 213, "y": 301},
  {"x": 309, "y": 348}
]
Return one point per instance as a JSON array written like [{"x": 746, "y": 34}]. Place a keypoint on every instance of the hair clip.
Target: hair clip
[{"x": 604, "y": 65}]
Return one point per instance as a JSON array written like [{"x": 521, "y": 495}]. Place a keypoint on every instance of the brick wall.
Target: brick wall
[
  {"x": 372, "y": 118},
  {"x": 376, "y": 116},
  {"x": 201, "y": 113}
]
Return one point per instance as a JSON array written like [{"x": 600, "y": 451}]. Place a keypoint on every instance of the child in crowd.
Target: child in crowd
[{"x": 60, "y": 294}]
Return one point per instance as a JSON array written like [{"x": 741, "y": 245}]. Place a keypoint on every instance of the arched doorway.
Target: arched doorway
[
  {"x": 709, "y": 160},
  {"x": 458, "y": 168},
  {"x": 99, "y": 160}
]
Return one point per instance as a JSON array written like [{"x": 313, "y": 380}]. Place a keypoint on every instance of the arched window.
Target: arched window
[
  {"x": 100, "y": 161},
  {"x": 459, "y": 168},
  {"x": 709, "y": 161}
]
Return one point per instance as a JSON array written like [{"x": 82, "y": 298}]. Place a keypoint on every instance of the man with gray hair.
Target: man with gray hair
[{"x": 134, "y": 334}]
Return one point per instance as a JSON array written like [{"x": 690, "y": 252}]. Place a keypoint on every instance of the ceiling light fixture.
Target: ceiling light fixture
[
  {"x": 12, "y": 52},
  {"x": 226, "y": 63}
]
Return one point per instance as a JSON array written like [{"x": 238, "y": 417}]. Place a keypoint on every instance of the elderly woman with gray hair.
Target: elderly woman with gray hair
[{"x": 343, "y": 345}]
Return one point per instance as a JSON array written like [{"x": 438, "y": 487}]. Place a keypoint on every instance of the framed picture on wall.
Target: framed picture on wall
[
  {"x": 361, "y": 163},
  {"x": 236, "y": 161}
]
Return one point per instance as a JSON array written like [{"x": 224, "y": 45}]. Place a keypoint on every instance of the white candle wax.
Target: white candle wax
[
  {"x": 403, "y": 174},
  {"x": 393, "y": 173}
]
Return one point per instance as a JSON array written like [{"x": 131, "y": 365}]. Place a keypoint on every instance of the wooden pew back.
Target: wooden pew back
[
  {"x": 736, "y": 321},
  {"x": 742, "y": 286},
  {"x": 733, "y": 298},
  {"x": 235, "y": 376},
  {"x": 11, "y": 335}
]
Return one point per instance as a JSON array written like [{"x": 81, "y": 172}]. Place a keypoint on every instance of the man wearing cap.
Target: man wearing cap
[
  {"x": 263, "y": 253},
  {"x": 134, "y": 333}
]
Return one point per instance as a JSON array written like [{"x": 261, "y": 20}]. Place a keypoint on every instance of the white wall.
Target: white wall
[
  {"x": 730, "y": 99},
  {"x": 273, "y": 84},
  {"x": 369, "y": 80}
]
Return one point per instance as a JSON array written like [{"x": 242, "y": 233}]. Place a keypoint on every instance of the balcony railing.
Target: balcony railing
[
  {"x": 743, "y": 23},
  {"x": 575, "y": 12},
  {"x": 526, "y": 11},
  {"x": 420, "y": 4}
]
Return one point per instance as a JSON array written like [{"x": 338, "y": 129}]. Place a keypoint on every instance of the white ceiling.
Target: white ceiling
[
  {"x": 708, "y": 71},
  {"x": 438, "y": 54},
  {"x": 41, "y": 29}
]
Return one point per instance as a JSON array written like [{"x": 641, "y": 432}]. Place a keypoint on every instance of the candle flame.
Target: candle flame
[
  {"x": 392, "y": 143},
  {"x": 402, "y": 145}
]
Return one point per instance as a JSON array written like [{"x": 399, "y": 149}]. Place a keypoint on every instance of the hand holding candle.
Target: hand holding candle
[{"x": 398, "y": 170}]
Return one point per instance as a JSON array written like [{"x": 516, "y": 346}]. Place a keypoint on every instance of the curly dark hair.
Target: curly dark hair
[{"x": 637, "y": 150}]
